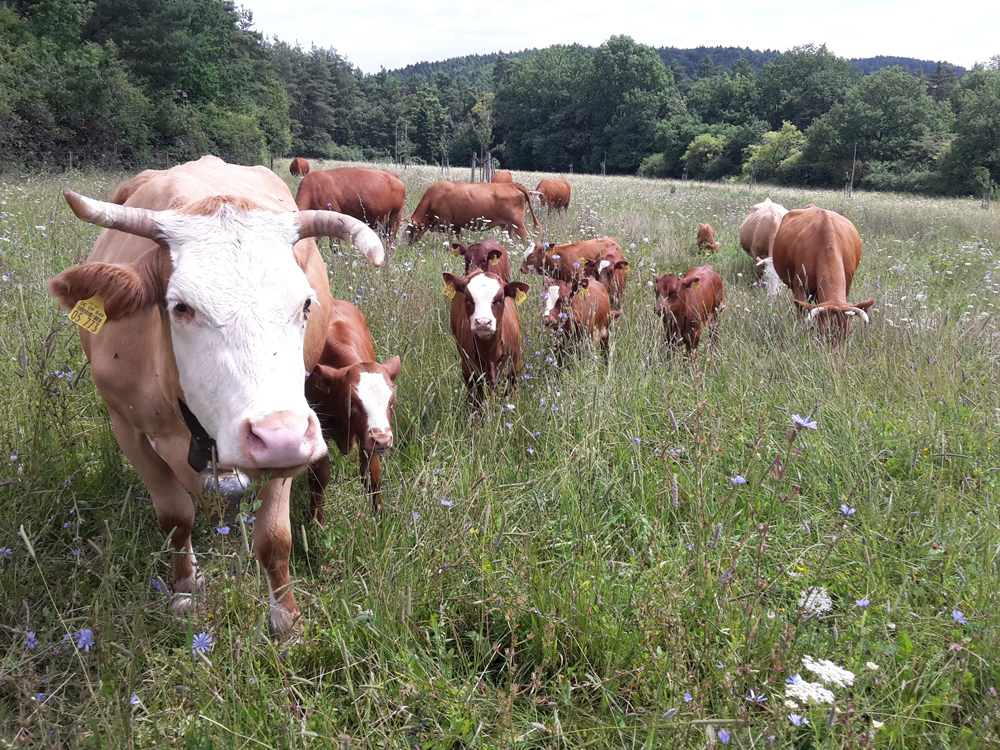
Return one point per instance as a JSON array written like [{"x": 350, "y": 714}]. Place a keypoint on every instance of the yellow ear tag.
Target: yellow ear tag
[
  {"x": 496, "y": 262},
  {"x": 455, "y": 251},
  {"x": 584, "y": 292},
  {"x": 89, "y": 314},
  {"x": 449, "y": 290},
  {"x": 520, "y": 297},
  {"x": 321, "y": 386},
  {"x": 626, "y": 271},
  {"x": 696, "y": 284}
]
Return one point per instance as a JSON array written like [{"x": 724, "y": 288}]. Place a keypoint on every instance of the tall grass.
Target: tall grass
[{"x": 578, "y": 564}]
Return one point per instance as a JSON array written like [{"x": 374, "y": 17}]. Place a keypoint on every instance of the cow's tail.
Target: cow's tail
[{"x": 527, "y": 198}]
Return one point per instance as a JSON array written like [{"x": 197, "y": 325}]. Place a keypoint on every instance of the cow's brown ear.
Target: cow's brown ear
[
  {"x": 691, "y": 282},
  {"x": 807, "y": 305},
  {"x": 458, "y": 283},
  {"x": 124, "y": 289},
  {"x": 511, "y": 288},
  {"x": 865, "y": 305},
  {"x": 457, "y": 249},
  {"x": 621, "y": 264},
  {"x": 392, "y": 366},
  {"x": 494, "y": 254},
  {"x": 584, "y": 282}
]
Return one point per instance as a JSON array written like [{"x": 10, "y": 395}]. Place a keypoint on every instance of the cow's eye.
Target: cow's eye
[{"x": 182, "y": 310}]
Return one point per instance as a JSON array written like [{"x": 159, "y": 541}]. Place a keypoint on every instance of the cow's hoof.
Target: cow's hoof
[{"x": 180, "y": 603}]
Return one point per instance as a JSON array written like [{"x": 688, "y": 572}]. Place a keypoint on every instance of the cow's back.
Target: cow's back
[
  {"x": 819, "y": 245},
  {"x": 758, "y": 230},
  {"x": 355, "y": 191},
  {"x": 348, "y": 340}
]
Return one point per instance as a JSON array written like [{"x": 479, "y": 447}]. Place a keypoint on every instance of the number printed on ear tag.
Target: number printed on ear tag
[
  {"x": 520, "y": 297},
  {"x": 449, "y": 290},
  {"x": 89, "y": 314}
]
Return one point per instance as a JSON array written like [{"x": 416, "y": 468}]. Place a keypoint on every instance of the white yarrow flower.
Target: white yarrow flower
[
  {"x": 872, "y": 666},
  {"x": 808, "y": 693},
  {"x": 829, "y": 672},
  {"x": 815, "y": 600}
]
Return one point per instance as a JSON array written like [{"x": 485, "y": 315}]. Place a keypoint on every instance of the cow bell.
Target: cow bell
[{"x": 221, "y": 493}]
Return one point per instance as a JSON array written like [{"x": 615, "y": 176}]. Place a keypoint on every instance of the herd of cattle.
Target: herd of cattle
[{"x": 206, "y": 294}]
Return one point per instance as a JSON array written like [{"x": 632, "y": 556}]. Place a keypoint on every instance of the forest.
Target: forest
[{"x": 148, "y": 83}]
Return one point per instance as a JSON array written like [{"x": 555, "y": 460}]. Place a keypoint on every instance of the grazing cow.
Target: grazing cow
[
  {"x": 488, "y": 255},
  {"x": 566, "y": 261},
  {"x": 352, "y": 396},
  {"x": 706, "y": 238},
  {"x": 375, "y": 196},
  {"x": 487, "y": 329},
  {"x": 502, "y": 175},
  {"x": 214, "y": 300},
  {"x": 758, "y": 229},
  {"x": 299, "y": 167},
  {"x": 454, "y": 206},
  {"x": 578, "y": 310},
  {"x": 771, "y": 281},
  {"x": 611, "y": 269},
  {"x": 688, "y": 304},
  {"x": 816, "y": 253},
  {"x": 554, "y": 192}
]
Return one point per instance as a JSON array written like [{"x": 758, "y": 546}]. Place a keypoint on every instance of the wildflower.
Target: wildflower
[
  {"x": 757, "y": 698},
  {"x": 797, "y": 720},
  {"x": 808, "y": 692},
  {"x": 446, "y": 502},
  {"x": 720, "y": 665},
  {"x": 878, "y": 724},
  {"x": 804, "y": 422},
  {"x": 724, "y": 736},
  {"x": 531, "y": 451},
  {"x": 958, "y": 617},
  {"x": 738, "y": 480},
  {"x": 846, "y": 510},
  {"x": 791, "y": 704},
  {"x": 829, "y": 672},
  {"x": 636, "y": 441},
  {"x": 416, "y": 516},
  {"x": 30, "y": 641},
  {"x": 134, "y": 700},
  {"x": 815, "y": 600},
  {"x": 7, "y": 552},
  {"x": 510, "y": 425},
  {"x": 795, "y": 679},
  {"x": 872, "y": 666},
  {"x": 85, "y": 639},
  {"x": 688, "y": 698},
  {"x": 956, "y": 647},
  {"x": 156, "y": 584},
  {"x": 249, "y": 519},
  {"x": 13, "y": 457},
  {"x": 202, "y": 643},
  {"x": 862, "y": 602},
  {"x": 510, "y": 407},
  {"x": 39, "y": 698},
  {"x": 223, "y": 530}
]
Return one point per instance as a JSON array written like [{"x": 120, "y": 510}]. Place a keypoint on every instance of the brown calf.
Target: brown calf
[
  {"x": 352, "y": 396},
  {"x": 487, "y": 329},
  {"x": 299, "y": 167},
  {"x": 488, "y": 255},
  {"x": 566, "y": 261},
  {"x": 554, "y": 192},
  {"x": 706, "y": 238},
  {"x": 688, "y": 304},
  {"x": 578, "y": 310},
  {"x": 611, "y": 269}
]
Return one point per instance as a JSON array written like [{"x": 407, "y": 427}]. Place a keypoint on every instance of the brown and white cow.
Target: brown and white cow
[
  {"x": 487, "y": 329},
  {"x": 299, "y": 167},
  {"x": 689, "y": 304},
  {"x": 816, "y": 253},
  {"x": 706, "y": 238},
  {"x": 611, "y": 269},
  {"x": 565, "y": 261},
  {"x": 375, "y": 196},
  {"x": 758, "y": 229},
  {"x": 454, "y": 206},
  {"x": 577, "y": 311},
  {"x": 488, "y": 255},
  {"x": 502, "y": 175},
  {"x": 215, "y": 300},
  {"x": 352, "y": 396},
  {"x": 553, "y": 192}
]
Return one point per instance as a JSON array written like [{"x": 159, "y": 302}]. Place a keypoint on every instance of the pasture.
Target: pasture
[{"x": 615, "y": 556}]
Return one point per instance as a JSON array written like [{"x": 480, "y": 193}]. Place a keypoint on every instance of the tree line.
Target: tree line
[{"x": 155, "y": 82}]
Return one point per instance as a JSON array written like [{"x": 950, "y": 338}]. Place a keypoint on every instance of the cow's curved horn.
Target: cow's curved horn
[
  {"x": 341, "y": 227},
  {"x": 137, "y": 221},
  {"x": 861, "y": 313},
  {"x": 815, "y": 313}
]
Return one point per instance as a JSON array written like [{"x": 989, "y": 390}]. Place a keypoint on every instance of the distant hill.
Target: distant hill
[{"x": 475, "y": 67}]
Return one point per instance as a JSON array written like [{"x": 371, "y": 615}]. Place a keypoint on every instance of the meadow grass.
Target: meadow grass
[{"x": 577, "y": 565}]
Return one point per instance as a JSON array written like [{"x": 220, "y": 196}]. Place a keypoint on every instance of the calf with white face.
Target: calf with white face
[{"x": 486, "y": 327}]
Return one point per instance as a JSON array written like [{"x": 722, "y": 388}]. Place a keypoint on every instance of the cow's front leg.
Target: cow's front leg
[{"x": 272, "y": 546}]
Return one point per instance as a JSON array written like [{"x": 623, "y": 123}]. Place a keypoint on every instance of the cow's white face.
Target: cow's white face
[
  {"x": 238, "y": 304},
  {"x": 484, "y": 292},
  {"x": 375, "y": 393}
]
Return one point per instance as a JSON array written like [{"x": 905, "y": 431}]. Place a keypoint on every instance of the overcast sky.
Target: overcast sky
[{"x": 389, "y": 34}]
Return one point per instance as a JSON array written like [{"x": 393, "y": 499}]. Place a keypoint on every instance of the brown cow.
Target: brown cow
[
  {"x": 454, "y": 206},
  {"x": 611, "y": 269},
  {"x": 816, "y": 253},
  {"x": 488, "y": 255},
  {"x": 688, "y": 304},
  {"x": 208, "y": 283},
  {"x": 299, "y": 167},
  {"x": 487, "y": 329},
  {"x": 578, "y": 310},
  {"x": 502, "y": 175},
  {"x": 352, "y": 396},
  {"x": 554, "y": 192},
  {"x": 566, "y": 261},
  {"x": 758, "y": 229},
  {"x": 706, "y": 238},
  {"x": 375, "y": 196}
]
